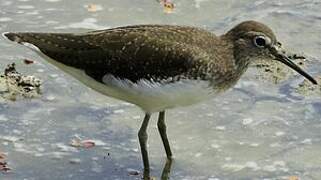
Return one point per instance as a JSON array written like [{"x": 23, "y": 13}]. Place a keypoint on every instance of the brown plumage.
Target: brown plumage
[{"x": 136, "y": 52}]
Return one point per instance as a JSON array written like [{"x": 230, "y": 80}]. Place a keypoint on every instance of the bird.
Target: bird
[{"x": 159, "y": 67}]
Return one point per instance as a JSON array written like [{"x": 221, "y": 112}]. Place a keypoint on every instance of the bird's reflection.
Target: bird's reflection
[{"x": 165, "y": 173}]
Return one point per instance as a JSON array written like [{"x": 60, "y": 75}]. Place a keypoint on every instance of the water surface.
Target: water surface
[{"x": 258, "y": 130}]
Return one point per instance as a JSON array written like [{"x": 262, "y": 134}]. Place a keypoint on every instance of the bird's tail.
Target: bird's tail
[
  {"x": 48, "y": 41},
  {"x": 67, "y": 48},
  {"x": 12, "y": 36}
]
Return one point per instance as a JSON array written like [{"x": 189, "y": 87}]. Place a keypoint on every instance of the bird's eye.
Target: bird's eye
[{"x": 260, "y": 41}]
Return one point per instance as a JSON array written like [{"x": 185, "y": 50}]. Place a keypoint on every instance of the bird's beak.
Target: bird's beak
[{"x": 282, "y": 57}]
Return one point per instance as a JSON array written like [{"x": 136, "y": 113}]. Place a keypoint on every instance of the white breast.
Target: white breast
[{"x": 154, "y": 96}]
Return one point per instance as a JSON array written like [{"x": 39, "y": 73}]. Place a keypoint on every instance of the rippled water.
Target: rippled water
[{"x": 258, "y": 130}]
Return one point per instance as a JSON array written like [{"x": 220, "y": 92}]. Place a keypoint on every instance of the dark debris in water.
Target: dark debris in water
[
  {"x": 82, "y": 143},
  {"x": 168, "y": 6},
  {"x": 13, "y": 84},
  {"x": 3, "y": 164},
  {"x": 28, "y": 61},
  {"x": 133, "y": 172}
]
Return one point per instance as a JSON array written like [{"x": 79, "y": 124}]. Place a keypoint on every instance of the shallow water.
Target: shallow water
[{"x": 258, "y": 130}]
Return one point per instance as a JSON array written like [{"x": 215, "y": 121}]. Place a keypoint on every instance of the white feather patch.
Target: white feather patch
[
  {"x": 31, "y": 46},
  {"x": 155, "y": 96}
]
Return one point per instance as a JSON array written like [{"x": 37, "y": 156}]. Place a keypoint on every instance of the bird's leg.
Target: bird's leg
[
  {"x": 167, "y": 170},
  {"x": 162, "y": 131},
  {"x": 142, "y": 135}
]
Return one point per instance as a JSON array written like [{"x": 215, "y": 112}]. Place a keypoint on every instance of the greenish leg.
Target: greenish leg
[
  {"x": 162, "y": 131},
  {"x": 142, "y": 135},
  {"x": 167, "y": 170}
]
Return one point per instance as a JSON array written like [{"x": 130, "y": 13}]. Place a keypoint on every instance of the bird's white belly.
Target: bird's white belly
[
  {"x": 148, "y": 95},
  {"x": 155, "y": 96}
]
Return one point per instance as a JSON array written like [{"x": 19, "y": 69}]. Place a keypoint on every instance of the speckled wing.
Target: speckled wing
[
  {"x": 133, "y": 52},
  {"x": 151, "y": 52}
]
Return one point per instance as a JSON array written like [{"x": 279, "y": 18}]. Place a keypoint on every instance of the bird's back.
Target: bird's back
[
  {"x": 153, "y": 66},
  {"x": 131, "y": 52}
]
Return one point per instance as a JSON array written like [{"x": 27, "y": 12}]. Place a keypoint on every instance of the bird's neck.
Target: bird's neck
[
  {"x": 236, "y": 64},
  {"x": 240, "y": 57},
  {"x": 242, "y": 64}
]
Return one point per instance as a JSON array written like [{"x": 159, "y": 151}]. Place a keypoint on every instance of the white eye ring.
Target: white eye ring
[{"x": 261, "y": 41}]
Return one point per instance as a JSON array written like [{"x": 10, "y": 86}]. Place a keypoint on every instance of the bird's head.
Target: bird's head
[{"x": 253, "y": 40}]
